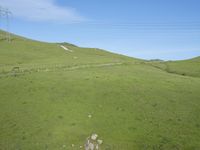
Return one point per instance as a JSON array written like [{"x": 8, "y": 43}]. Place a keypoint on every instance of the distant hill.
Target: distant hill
[{"x": 190, "y": 67}]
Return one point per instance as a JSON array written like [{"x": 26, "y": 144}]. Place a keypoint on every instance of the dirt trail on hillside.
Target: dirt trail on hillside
[
  {"x": 55, "y": 68},
  {"x": 65, "y": 48}
]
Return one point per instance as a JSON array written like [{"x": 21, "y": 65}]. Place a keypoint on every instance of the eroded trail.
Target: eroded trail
[
  {"x": 54, "y": 68},
  {"x": 65, "y": 48}
]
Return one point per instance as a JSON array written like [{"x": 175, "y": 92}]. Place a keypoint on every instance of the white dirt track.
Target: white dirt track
[{"x": 65, "y": 48}]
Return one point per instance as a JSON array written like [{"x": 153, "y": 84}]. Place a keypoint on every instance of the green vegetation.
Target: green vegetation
[
  {"x": 189, "y": 67},
  {"x": 47, "y": 93}
]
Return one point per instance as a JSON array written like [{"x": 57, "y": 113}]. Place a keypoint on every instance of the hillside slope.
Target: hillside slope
[
  {"x": 186, "y": 67},
  {"x": 26, "y": 54},
  {"x": 51, "y": 98},
  {"x": 190, "y": 67}
]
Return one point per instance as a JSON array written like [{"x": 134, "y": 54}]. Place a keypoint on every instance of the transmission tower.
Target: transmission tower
[
  {"x": 1, "y": 14},
  {"x": 5, "y": 13},
  {"x": 8, "y": 15}
]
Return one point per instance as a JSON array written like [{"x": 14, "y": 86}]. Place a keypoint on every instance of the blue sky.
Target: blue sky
[{"x": 149, "y": 29}]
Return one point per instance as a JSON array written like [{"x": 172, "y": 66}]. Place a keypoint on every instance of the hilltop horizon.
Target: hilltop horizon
[
  {"x": 3, "y": 30},
  {"x": 167, "y": 30}
]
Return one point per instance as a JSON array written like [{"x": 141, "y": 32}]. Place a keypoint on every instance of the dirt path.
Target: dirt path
[
  {"x": 65, "y": 48},
  {"x": 55, "y": 68}
]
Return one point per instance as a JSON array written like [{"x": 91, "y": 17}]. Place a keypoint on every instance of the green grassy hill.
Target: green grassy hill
[
  {"x": 52, "y": 98},
  {"x": 190, "y": 67},
  {"x": 186, "y": 67},
  {"x": 26, "y": 54}
]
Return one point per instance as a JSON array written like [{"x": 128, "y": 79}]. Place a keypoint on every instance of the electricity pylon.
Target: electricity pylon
[
  {"x": 7, "y": 14},
  {"x": 1, "y": 14}
]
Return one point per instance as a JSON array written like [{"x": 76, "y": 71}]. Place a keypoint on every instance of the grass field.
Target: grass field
[
  {"x": 47, "y": 93},
  {"x": 189, "y": 67}
]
